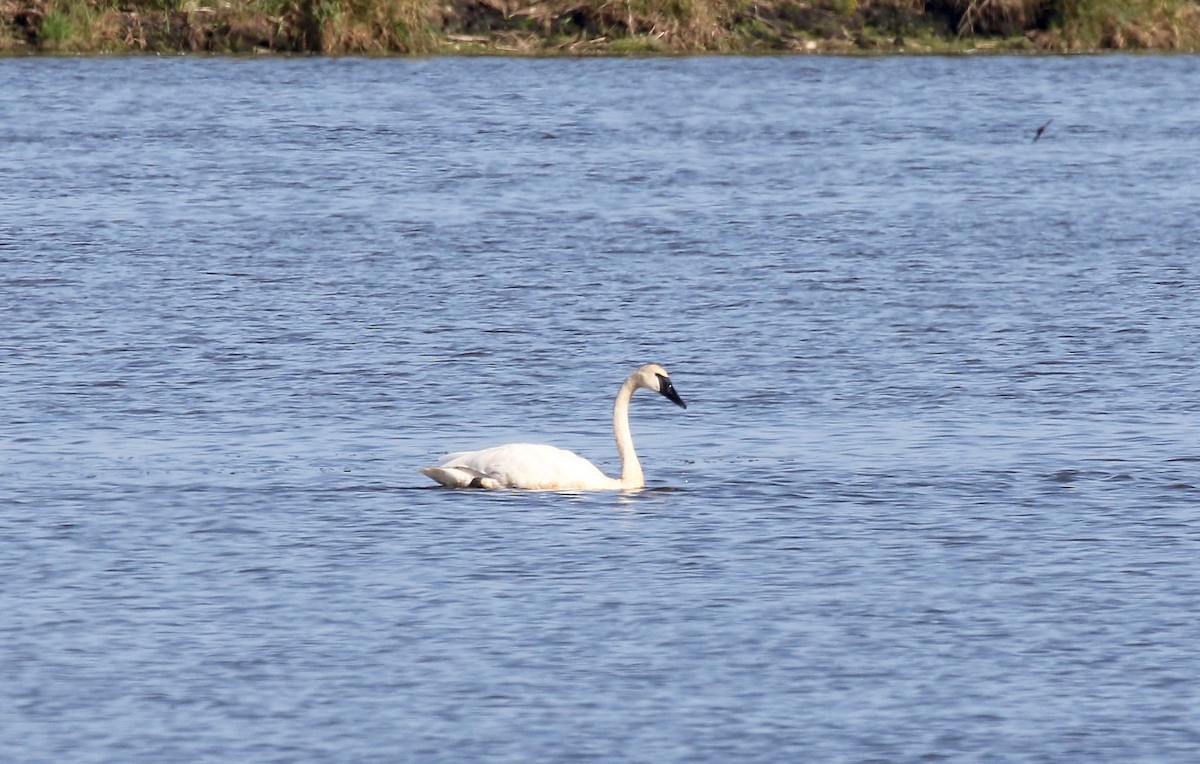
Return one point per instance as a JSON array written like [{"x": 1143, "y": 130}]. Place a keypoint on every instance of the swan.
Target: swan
[{"x": 546, "y": 468}]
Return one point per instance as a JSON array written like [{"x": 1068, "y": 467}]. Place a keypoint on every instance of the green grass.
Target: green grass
[
  {"x": 1120, "y": 24},
  {"x": 56, "y": 29}
]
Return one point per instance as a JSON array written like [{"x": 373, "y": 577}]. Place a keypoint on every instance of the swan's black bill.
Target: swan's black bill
[{"x": 668, "y": 390}]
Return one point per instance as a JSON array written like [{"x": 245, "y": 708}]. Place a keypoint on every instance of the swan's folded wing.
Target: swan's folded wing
[
  {"x": 518, "y": 465},
  {"x": 460, "y": 477}
]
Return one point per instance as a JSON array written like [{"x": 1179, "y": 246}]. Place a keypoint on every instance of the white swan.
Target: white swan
[{"x": 535, "y": 467}]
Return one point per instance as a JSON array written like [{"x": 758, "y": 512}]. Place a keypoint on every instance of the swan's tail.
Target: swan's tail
[{"x": 460, "y": 477}]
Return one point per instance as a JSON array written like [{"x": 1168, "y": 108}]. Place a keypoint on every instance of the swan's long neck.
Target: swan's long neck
[{"x": 631, "y": 468}]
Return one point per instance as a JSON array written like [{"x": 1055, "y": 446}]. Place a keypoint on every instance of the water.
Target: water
[{"x": 934, "y": 496}]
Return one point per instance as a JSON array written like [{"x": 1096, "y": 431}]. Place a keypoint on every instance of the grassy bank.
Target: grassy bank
[{"x": 594, "y": 27}]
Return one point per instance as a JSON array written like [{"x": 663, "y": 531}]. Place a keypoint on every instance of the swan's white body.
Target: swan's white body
[{"x": 546, "y": 468}]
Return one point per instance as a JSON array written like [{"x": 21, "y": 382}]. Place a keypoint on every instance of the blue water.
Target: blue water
[{"x": 935, "y": 495}]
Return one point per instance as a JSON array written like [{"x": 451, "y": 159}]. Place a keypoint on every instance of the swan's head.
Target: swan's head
[{"x": 654, "y": 377}]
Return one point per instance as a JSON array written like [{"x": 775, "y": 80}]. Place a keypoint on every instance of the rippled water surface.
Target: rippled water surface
[{"x": 934, "y": 497}]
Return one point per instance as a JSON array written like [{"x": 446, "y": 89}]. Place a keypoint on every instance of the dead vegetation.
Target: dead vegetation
[
  {"x": 992, "y": 17},
  {"x": 580, "y": 27}
]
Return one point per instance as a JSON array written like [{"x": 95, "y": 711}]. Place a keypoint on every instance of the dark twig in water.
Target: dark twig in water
[{"x": 1042, "y": 129}]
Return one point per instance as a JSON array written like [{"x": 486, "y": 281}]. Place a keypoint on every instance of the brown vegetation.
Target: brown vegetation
[{"x": 388, "y": 27}]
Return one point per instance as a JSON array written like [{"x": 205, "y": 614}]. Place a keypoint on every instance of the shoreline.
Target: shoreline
[{"x": 579, "y": 28}]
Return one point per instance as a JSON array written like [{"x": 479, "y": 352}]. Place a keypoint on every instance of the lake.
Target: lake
[{"x": 936, "y": 495}]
